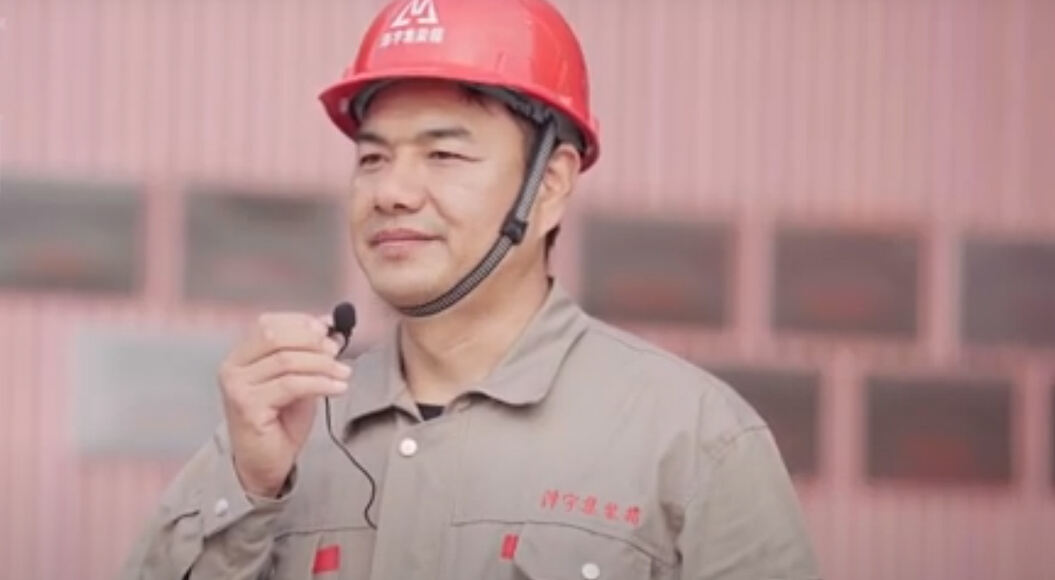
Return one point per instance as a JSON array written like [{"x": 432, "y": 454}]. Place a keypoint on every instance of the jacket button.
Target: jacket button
[
  {"x": 408, "y": 447},
  {"x": 591, "y": 571},
  {"x": 220, "y": 508}
]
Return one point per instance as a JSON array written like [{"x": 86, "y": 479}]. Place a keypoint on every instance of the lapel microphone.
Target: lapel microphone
[{"x": 343, "y": 324}]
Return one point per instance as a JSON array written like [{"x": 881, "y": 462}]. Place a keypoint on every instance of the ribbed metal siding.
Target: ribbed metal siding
[{"x": 930, "y": 111}]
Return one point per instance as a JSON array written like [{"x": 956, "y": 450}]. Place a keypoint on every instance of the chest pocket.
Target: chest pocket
[
  {"x": 560, "y": 552},
  {"x": 333, "y": 554}
]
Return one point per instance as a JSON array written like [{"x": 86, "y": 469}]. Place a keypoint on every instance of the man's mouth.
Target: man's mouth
[{"x": 400, "y": 236}]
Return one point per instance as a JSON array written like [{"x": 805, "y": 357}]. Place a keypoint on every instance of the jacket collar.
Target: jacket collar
[{"x": 523, "y": 377}]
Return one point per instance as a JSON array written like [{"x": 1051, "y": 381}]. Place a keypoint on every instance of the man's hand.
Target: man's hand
[{"x": 270, "y": 384}]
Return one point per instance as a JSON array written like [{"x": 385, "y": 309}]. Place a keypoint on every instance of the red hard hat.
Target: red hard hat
[{"x": 524, "y": 46}]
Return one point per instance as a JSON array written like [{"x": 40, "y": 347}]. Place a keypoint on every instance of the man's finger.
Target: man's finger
[
  {"x": 280, "y": 392},
  {"x": 295, "y": 362},
  {"x": 283, "y": 332}
]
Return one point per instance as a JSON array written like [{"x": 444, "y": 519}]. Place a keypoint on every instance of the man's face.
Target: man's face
[{"x": 436, "y": 174}]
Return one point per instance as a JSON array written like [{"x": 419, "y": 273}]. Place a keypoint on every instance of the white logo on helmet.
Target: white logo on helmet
[
  {"x": 422, "y": 11},
  {"x": 415, "y": 23}
]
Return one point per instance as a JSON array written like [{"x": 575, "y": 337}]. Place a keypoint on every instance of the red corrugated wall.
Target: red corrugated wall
[{"x": 939, "y": 112}]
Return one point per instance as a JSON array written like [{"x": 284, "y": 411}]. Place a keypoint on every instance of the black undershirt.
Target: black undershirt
[{"x": 430, "y": 411}]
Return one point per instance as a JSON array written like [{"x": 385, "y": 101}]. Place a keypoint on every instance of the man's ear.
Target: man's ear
[{"x": 558, "y": 182}]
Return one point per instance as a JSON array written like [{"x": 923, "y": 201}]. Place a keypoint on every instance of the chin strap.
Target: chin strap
[{"x": 511, "y": 234}]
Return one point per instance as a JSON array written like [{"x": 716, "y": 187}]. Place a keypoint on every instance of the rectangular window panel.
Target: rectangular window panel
[
  {"x": 788, "y": 402},
  {"x": 657, "y": 271},
  {"x": 846, "y": 282},
  {"x": 1008, "y": 291},
  {"x": 264, "y": 250},
  {"x": 70, "y": 236},
  {"x": 939, "y": 430},
  {"x": 145, "y": 394}
]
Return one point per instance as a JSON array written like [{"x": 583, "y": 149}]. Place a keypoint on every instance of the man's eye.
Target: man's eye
[
  {"x": 444, "y": 155},
  {"x": 369, "y": 159}
]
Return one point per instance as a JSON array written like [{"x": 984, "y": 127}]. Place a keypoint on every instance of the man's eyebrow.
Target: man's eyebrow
[
  {"x": 362, "y": 136},
  {"x": 453, "y": 132}
]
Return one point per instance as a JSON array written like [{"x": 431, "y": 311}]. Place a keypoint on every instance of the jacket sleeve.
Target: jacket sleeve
[
  {"x": 745, "y": 522},
  {"x": 206, "y": 526}
]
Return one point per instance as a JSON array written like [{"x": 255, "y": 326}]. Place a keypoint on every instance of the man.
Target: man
[{"x": 502, "y": 432}]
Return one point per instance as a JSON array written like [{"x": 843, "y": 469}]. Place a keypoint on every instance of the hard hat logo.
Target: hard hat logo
[
  {"x": 423, "y": 12},
  {"x": 416, "y": 23}
]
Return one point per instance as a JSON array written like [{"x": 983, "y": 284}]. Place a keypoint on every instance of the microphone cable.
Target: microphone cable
[{"x": 344, "y": 320}]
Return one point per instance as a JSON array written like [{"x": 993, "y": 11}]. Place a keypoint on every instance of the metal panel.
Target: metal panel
[
  {"x": 243, "y": 247},
  {"x": 658, "y": 271},
  {"x": 70, "y": 236},
  {"x": 846, "y": 282},
  {"x": 939, "y": 430},
  {"x": 145, "y": 395},
  {"x": 856, "y": 109},
  {"x": 1008, "y": 292}
]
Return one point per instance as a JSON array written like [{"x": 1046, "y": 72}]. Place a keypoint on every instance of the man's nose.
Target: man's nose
[{"x": 400, "y": 189}]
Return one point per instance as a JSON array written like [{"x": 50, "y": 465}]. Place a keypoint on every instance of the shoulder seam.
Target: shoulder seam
[
  {"x": 604, "y": 330},
  {"x": 717, "y": 451}
]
